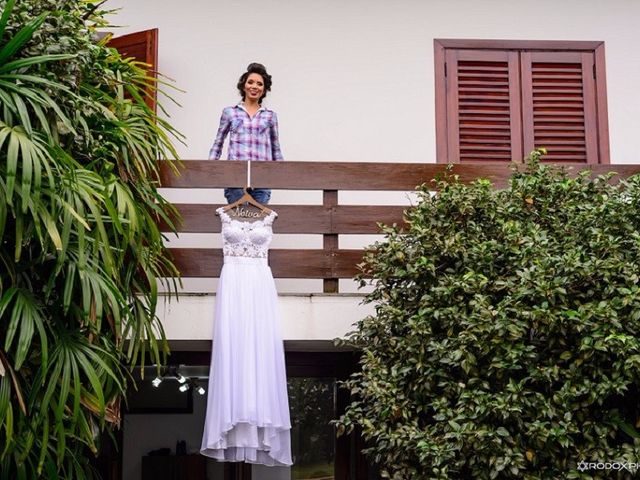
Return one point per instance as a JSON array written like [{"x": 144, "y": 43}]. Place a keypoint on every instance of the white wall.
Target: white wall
[
  {"x": 302, "y": 317},
  {"x": 353, "y": 80}
]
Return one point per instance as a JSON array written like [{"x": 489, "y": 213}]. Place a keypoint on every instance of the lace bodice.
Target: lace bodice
[{"x": 246, "y": 239}]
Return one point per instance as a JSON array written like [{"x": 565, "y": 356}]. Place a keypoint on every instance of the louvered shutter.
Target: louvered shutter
[
  {"x": 483, "y": 106},
  {"x": 559, "y": 105},
  {"x": 142, "y": 46},
  {"x": 497, "y": 100}
]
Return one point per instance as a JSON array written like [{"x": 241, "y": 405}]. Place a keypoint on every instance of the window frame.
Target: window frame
[
  {"x": 303, "y": 358},
  {"x": 521, "y": 46}
]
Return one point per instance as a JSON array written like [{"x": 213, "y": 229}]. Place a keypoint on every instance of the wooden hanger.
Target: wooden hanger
[{"x": 246, "y": 198}]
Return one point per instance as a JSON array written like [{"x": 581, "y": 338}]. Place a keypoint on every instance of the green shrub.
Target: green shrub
[
  {"x": 506, "y": 338},
  {"x": 80, "y": 247}
]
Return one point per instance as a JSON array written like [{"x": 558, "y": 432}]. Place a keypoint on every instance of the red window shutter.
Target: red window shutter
[
  {"x": 142, "y": 46},
  {"x": 483, "y": 106},
  {"x": 559, "y": 105},
  {"x": 550, "y": 94}
]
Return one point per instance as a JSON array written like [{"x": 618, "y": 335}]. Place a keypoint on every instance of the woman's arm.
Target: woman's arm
[
  {"x": 276, "y": 153},
  {"x": 223, "y": 129}
]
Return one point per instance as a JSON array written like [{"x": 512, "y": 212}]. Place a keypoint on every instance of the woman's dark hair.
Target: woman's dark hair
[{"x": 260, "y": 70}]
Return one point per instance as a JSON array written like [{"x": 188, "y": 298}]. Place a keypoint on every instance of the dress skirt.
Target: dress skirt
[{"x": 247, "y": 415}]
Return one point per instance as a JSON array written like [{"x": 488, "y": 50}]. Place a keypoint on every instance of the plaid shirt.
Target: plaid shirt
[{"x": 251, "y": 138}]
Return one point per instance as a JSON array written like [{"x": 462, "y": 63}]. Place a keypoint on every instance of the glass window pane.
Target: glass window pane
[{"x": 312, "y": 406}]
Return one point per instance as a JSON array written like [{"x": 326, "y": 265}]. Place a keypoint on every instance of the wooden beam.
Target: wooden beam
[
  {"x": 330, "y": 241},
  {"x": 289, "y": 346},
  {"x": 207, "y": 263},
  {"x": 562, "y": 45},
  {"x": 346, "y": 175},
  {"x": 315, "y": 219}
]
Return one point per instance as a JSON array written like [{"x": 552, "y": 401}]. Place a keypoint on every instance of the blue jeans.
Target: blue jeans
[{"x": 260, "y": 195}]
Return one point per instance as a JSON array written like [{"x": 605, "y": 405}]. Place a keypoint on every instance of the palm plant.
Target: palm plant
[{"x": 80, "y": 249}]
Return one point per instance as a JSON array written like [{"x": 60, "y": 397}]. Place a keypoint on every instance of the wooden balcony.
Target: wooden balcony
[{"x": 330, "y": 219}]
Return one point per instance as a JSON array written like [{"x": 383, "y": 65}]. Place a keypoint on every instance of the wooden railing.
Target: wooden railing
[{"x": 329, "y": 219}]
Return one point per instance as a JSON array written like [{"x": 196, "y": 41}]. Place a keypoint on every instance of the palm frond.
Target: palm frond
[
  {"x": 20, "y": 38},
  {"x": 24, "y": 151},
  {"x": 79, "y": 152},
  {"x": 24, "y": 63},
  {"x": 25, "y": 317},
  {"x": 6, "y": 13}
]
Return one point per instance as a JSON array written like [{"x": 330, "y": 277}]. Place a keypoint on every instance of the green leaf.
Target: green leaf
[
  {"x": 4, "y": 19},
  {"x": 20, "y": 38},
  {"x": 78, "y": 203},
  {"x": 566, "y": 355},
  {"x": 12, "y": 163},
  {"x": 23, "y": 114},
  {"x": 27, "y": 62},
  {"x": 5, "y": 397}
]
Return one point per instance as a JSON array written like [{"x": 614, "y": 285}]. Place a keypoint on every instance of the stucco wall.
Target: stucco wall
[
  {"x": 303, "y": 317},
  {"x": 353, "y": 80}
]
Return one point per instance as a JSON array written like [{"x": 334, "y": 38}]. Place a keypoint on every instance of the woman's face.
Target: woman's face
[{"x": 254, "y": 87}]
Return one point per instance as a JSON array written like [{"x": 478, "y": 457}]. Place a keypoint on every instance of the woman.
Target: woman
[{"x": 253, "y": 129}]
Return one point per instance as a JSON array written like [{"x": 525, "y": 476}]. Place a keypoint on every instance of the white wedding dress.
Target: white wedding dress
[{"x": 247, "y": 409}]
